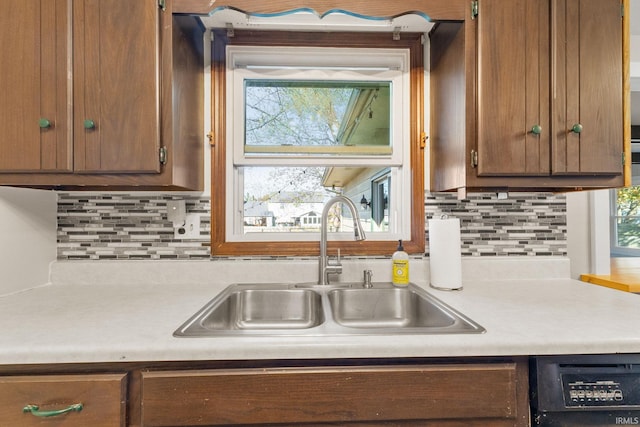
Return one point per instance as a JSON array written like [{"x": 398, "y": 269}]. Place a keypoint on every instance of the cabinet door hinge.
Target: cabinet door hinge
[
  {"x": 624, "y": 158},
  {"x": 210, "y": 138},
  {"x": 474, "y": 158},
  {"x": 162, "y": 155},
  {"x": 162, "y": 4},
  {"x": 474, "y": 9},
  {"x": 423, "y": 139}
]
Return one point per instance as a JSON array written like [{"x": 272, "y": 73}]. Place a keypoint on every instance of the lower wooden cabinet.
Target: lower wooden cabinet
[
  {"x": 434, "y": 395},
  {"x": 97, "y": 400},
  {"x": 377, "y": 392}
]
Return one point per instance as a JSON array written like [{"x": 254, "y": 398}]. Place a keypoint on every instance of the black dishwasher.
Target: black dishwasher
[{"x": 585, "y": 390}]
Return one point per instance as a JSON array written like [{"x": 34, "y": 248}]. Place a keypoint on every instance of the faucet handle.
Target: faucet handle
[
  {"x": 367, "y": 279},
  {"x": 336, "y": 262}
]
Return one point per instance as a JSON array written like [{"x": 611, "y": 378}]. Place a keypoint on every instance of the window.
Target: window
[
  {"x": 625, "y": 221},
  {"x": 296, "y": 123}
]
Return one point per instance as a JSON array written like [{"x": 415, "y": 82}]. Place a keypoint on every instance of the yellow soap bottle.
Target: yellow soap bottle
[{"x": 400, "y": 266}]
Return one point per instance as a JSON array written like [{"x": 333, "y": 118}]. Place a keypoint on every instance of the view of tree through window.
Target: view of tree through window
[
  {"x": 309, "y": 117},
  {"x": 312, "y": 114},
  {"x": 627, "y": 217},
  {"x": 294, "y": 113}
]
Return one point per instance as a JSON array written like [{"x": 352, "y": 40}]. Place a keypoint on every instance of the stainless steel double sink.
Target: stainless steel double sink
[{"x": 312, "y": 310}]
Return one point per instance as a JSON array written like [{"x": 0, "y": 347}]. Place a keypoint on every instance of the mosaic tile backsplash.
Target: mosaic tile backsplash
[
  {"x": 118, "y": 226},
  {"x": 121, "y": 226},
  {"x": 524, "y": 224}
]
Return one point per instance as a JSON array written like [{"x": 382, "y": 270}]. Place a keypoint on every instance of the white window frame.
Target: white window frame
[{"x": 307, "y": 63}]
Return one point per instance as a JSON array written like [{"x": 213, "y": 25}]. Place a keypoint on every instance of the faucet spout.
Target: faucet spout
[{"x": 324, "y": 267}]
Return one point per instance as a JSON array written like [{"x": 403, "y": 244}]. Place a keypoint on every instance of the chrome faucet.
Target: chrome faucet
[{"x": 327, "y": 267}]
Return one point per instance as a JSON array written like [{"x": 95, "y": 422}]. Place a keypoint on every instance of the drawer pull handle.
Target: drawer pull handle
[{"x": 34, "y": 410}]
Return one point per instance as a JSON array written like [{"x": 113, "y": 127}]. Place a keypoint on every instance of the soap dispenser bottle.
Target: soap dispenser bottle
[{"x": 400, "y": 266}]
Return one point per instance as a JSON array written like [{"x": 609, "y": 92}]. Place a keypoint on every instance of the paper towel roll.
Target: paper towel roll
[{"x": 445, "y": 259}]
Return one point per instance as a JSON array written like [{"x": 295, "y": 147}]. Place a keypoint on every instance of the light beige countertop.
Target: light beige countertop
[{"x": 128, "y": 311}]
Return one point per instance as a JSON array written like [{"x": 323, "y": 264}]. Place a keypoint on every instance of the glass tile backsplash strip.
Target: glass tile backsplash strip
[
  {"x": 120, "y": 226},
  {"x": 523, "y": 224}
]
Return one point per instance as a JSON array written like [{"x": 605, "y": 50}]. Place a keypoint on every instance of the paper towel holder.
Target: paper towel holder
[{"x": 445, "y": 288}]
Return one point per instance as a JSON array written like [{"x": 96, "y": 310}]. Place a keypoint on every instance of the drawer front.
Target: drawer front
[
  {"x": 312, "y": 395},
  {"x": 102, "y": 397}
]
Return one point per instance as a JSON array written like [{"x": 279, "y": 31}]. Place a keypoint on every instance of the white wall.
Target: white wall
[
  {"x": 27, "y": 237},
  {"x": 588, "y": 232},
  {"x": 578, "y": 234}
]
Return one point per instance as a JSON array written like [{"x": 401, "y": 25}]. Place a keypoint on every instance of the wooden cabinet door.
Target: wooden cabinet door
[
  {"x": 97, "y": 400},
  {"x": 587, "y": 87},
  {"x": 116, "y": 86},
  {"x": 35, "y": 86},
  {"x": 513, "y": 87},
  {"x": 452, "y": 395}
]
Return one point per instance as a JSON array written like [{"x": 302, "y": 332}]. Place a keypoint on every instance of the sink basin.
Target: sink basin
[
  {"x": 404, "y": 310},
  {"x": 251, "y": 308},
  {"x": 312, "y": 310},
  {"x": 386, "y": 308}
]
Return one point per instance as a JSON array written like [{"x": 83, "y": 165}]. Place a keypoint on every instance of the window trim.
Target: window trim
[
  {"x": 412, "y": 41},
  {"x": 389, "y": 66}
]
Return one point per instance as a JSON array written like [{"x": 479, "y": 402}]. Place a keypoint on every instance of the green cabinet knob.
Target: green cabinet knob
[
  {"x": 577, "y": 128},
  {"x": 44, "y": 123},
  {"x": 536, "y": 130},
  {"x": 89, "y": 124}
]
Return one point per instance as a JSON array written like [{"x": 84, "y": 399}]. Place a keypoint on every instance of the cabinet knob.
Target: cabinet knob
[
  {"x": 577, "y": 128},
  {"x": 536, "y": 130},
  {"x": 89, "y": 124},
  {"x": 44, "y": 123}
]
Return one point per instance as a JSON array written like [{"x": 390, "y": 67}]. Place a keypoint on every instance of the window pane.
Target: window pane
[
  {"x": 629, "y": 232},
  {"x": 291, "y": 199},
  {"x": 317, "y": 117},
  {"x": 628, "y": 218}
]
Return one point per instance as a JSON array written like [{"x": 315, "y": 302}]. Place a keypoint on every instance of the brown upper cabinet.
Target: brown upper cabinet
[
  {"x": 513, "y": 88},
  {"x": 100, "y": 94},
  {"x": 529, "y": 95},
  {"x": 36, "y": 91},
  {"x": 587, "y": 87}
]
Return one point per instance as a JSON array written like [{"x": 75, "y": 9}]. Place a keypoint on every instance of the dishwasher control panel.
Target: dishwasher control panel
[{"x": 611, "y": 390}]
